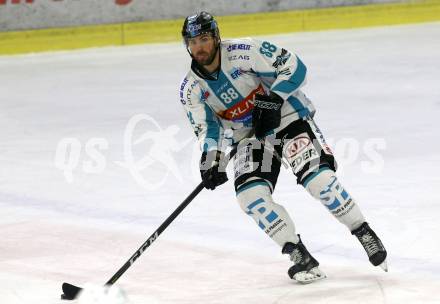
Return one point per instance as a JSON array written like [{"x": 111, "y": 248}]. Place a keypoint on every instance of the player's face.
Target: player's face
[{"x": 203, "y": 48}]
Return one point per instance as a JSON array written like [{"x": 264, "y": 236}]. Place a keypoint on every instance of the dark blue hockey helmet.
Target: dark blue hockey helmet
[{"x": 198, "y": 24}]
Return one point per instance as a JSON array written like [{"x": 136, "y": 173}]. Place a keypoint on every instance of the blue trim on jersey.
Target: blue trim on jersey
[
  {"x": 298, "y": 106},
  {"x": 295, "y": 81},
  {"x": 222, "y": 85},
  {"x": 251, "y": 185},
  {"x": 312, "y": 176},
  {"x": 267, "y": 84},
  {"x": 212, "y": 130},
  {"x": 271, "y": 75},
  {"x": 266, "y": 74}
]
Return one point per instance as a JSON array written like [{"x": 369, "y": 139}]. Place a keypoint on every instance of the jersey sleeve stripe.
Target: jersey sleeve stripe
[
  {"x": 295, "y": 81},
  {"x": 212, "y": 132},
  {"x": 299, "y": 107}
]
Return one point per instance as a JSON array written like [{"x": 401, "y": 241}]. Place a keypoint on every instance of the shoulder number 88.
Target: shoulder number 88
[{"x": 267, "y": 49}]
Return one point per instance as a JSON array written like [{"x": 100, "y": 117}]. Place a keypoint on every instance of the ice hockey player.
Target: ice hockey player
[{"x": 247, "y": 93}]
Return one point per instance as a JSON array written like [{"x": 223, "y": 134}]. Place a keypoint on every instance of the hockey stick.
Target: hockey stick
[{"x": 70, "y": 292}]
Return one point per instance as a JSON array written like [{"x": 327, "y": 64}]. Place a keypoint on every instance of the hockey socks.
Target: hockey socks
[
  {"x": 325, "y": 187},
  {"x": 255, "y": 199}
]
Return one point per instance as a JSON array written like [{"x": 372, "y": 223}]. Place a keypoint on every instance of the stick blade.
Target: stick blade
[
  {"x": 70, "y": 292},
  {"x": 384, "y": 265}
]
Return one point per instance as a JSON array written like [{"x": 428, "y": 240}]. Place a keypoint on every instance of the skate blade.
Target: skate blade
[
  {"x": 313, "y": 275},
  {"x": 384, "y": 266}
]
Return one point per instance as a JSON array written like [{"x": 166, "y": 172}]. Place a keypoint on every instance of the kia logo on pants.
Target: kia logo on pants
[{"x": 297, "y": 145}]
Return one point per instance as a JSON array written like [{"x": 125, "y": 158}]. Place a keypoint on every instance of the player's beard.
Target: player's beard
[{"x": 209, "y": 58}]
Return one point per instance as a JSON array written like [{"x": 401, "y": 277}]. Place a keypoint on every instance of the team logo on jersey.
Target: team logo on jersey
[
  {"x": 286, "y": 72},
  {"x": 281, "y": 59},
  {"x": 242, "y": 110},
  {"x": 241, "y": 46}
]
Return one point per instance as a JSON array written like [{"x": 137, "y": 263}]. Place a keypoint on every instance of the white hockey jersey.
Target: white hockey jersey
[{"x": 222, "y": 108}]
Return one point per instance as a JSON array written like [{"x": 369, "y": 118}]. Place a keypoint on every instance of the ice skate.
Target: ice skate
[
  {"x": 373, "y": 246},
  {"x": 306, "y": 268}
]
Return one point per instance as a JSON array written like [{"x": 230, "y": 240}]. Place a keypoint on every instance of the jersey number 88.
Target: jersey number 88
[
  {"x": 229, "y": 95},
  {"x": 267, "y": 49}
]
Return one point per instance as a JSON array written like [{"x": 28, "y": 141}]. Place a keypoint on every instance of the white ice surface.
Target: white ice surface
[{"x": 368, "y": 83}]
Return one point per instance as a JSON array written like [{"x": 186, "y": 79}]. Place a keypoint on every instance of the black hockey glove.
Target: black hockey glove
[
  {"x": 212, "y": 173},
  {"x": 266, "y": 115}
]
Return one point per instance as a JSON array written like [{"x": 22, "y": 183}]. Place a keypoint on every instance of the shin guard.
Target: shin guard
[
  {"x": 326, "y": 187},
  {"x": 255, "y": 199}
]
